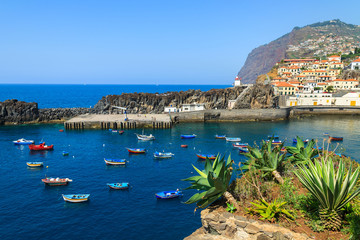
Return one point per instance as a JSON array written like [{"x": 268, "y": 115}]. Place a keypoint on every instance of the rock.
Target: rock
[
  {"x": 230, "y": 231},
  {"x": 211, "y": 217},
  {"x": 241, "y": 224},
  {"x": 278, "y": 236},
  {"x": 241, "y": 235},
  {"x": 251, "y": 229},
  {"x": 240, "y": 218},
  {"x": 263, "y": 237},
  {"x": 227, "y": 215}
]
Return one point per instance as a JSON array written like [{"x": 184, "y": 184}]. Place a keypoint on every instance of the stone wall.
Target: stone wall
[{"x": 217, "y": 225}]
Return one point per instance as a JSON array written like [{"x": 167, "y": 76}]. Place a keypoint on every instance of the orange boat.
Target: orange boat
[{"x": 184, "y": 146}]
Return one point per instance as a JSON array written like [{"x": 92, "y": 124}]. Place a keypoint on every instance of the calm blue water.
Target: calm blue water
[
  {"x": 54, "y": 96},
  {"x": 29, "y": 210}
]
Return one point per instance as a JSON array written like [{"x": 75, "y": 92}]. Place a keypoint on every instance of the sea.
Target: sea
[{"x": 31, "y": 210}]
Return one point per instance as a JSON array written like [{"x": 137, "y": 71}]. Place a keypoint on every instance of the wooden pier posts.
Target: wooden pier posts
[{"x": 118, "y": 125}]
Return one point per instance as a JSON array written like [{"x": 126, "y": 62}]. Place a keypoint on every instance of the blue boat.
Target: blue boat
[
  {"x": 64, "y": 153},
  {"x": 76, "y": 197},
  {"x": 273, "y": 136},
  {"x": 204, "y": 156},
  {"x": 168, "y": 194},
  {"x": 220, "y": 136},
  {"x": 243, "y": 149},
  {"x": 118, "y": 186},
  {"x": 188, "y": 136},
  {"x": 239, "y": 145},
  {"x": 114, "y": 161}
]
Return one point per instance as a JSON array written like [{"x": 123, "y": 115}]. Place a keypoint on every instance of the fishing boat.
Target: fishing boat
[
  {"x": 275, "y": 142},
  {"x": 239, "y": 145},
  {"x": 41, "y": 147},
  {"x": 114, "y": 161},
  {"x": 336, "y": 138},
  {"x": 136, "y": 150},
  {"x": 305, "y": 141},
  {"x": 232, "y": 139},
  {"x": 56, "y": 181},
  {"x": 184, "y": 136},
  {"x": 114, "y": 131},
  {"x": 273, "y": 136},
  {"x": 220, "y": 136},
  {"x": 163, "y": 155},
  {"x": 64, "y": 153},
  {"x": 118, "y": 186},
  {"x": 184, "y": 146},
  {"x": 204, "y": 156},
  {"x": 61, "y": 130},
  {"x": 243, "y": 149},
  {"x": 75, "y": 198},
  {"x": 168, "y": 194},
  {"x": 34, "y": 164},
  {"x": 121, "y": 132},
  {"x": 145, "y": 137},
  {"x": 23, "y": 141}
]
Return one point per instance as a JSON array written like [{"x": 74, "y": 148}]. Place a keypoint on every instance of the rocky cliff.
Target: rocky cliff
[
  {"x": 255, "y": 97},
  {"x": 315, "y": 40}
]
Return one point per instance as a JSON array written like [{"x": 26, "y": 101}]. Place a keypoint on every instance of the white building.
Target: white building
[
  {"x": 324, "y": 99},
  {"x": 170, "y": 109},
  {"x": 237, "y": 82},
  {"x": 355, "y": 65},
  {"x": 192, "y": 107}
]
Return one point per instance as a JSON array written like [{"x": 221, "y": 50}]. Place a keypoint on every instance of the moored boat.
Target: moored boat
[
  {"x": 233, "y": 139},
  {"x": 220, "y": 136},
  {"x": 41, "y": 147},
  {"x": 114, "y": 131},
  {"x": 243, "y": 149},
  {"x": 336, "y": 138},
  {"x": 114, "y": 161},
  {"x": 75, "y": 198},
  {"x": 274, "y": 136},
  {"x": 118, "y": 186},
  {"x": 121, "y": 132},
  {"x": 275, "y": 142},
  {"x": 204, "y": 156},
  {"x": 61, "y": 130},
  {"x": 163, "y": 155},
  {"x": 56, "y": 181},
  {"x": 187, "y": 136},
  {"x": 238, "y": 145},
  {"x": 136, "y": 150},
  {"x": 305, "y": 141},
  {"x": 184, "y": 146},
  {"x": 168, "y": 194},
  {"x": 145, "y": 137},
  {"x": 64, "y": 153},
  {"x": 35, "y": 164},
  {"x": 23, "y": 141}
]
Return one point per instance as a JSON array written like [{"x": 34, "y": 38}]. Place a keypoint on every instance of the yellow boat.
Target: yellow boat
[{"x": 34, "y": 164}]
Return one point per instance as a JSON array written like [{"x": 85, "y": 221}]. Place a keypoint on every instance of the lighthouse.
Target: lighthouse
[{"x": 237, "y": 81}]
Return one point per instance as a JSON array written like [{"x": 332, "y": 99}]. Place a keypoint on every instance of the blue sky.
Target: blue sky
[{"x": 146, "y": 42}]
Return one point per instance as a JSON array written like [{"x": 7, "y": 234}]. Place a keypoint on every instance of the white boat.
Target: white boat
[
  {"x": 23, "y": 141},
  {"x": 76, "y": 197},
  {"x": 232, "y": 139},
  {"x": 163, "y": 155},
  {"x": 145, "y": 137}
]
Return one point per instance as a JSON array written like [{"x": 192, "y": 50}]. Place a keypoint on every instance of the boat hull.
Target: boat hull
[
  {"x": 188, "y": 136},
  {"x": 210, "y": 157},
  {"x": 114, "y": 162},
  {"x": 118, "y": 186},
  {"x": 56, "y": 181},
  {"x": 336, "y": 138},
  {"x": 40, "y": 147},
  {"x": 168, "y": 194},
  {"x": 34, "y": 164},
  {"x": 233, "y": 139},
  {"x": 136, "y": 151},
  {"x": 76, "y": 198}
]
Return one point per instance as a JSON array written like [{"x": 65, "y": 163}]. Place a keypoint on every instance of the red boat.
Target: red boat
[
  {"x": 336, "y": 138},
  {"x": 61, "y": 130},
  {"x": 41, "y": 147},
  {"x": 184, "y": 146}
]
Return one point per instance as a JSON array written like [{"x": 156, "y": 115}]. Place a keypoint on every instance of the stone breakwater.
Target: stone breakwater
[
  {"x": 17, "y": 112},
  {"x": 217, "y": 225}
]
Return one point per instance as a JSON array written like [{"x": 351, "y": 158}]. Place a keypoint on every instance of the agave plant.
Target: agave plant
[
  {"x": 213, "y": 181},
  {"x": 333, "y": 189},
  {"x": 267, "y": 159},
  {"x": 300, "y": 153},
  {"x": 270, "y": 211}
]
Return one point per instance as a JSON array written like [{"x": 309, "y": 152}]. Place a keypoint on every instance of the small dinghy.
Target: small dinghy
[
  {"x": 35, "y": 164},
  {"x": 168, "y": 194},
  {"x": 118, "y": 186},
  {"x": 243, "y": 149},
  {"x": 56, "y": 181},
  {"x": 40, "y": 147},
  {"x": 336, "y": 138},
  {"x": 136, "y": 150},
  {"x": 220, "y": 136},
  {"x": 23, "y": 141},
  {"x": 204, "y": 156},
  {"x": 184, "y": 136},
  {"x": 75, "y": 198},
  {"x": 145, "y": 137},
  {"x": 121, "y": 132},
  {"x": 233, "y": 139},
  {"x": 61, "y": 130},
  {"x": 163, "y": 155},
  {"x": 239, "y": 145},
  {"x": 114, "y": 161},
  {"x": 64, "y": 153},
  {"x": 184, "y": 146}
]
